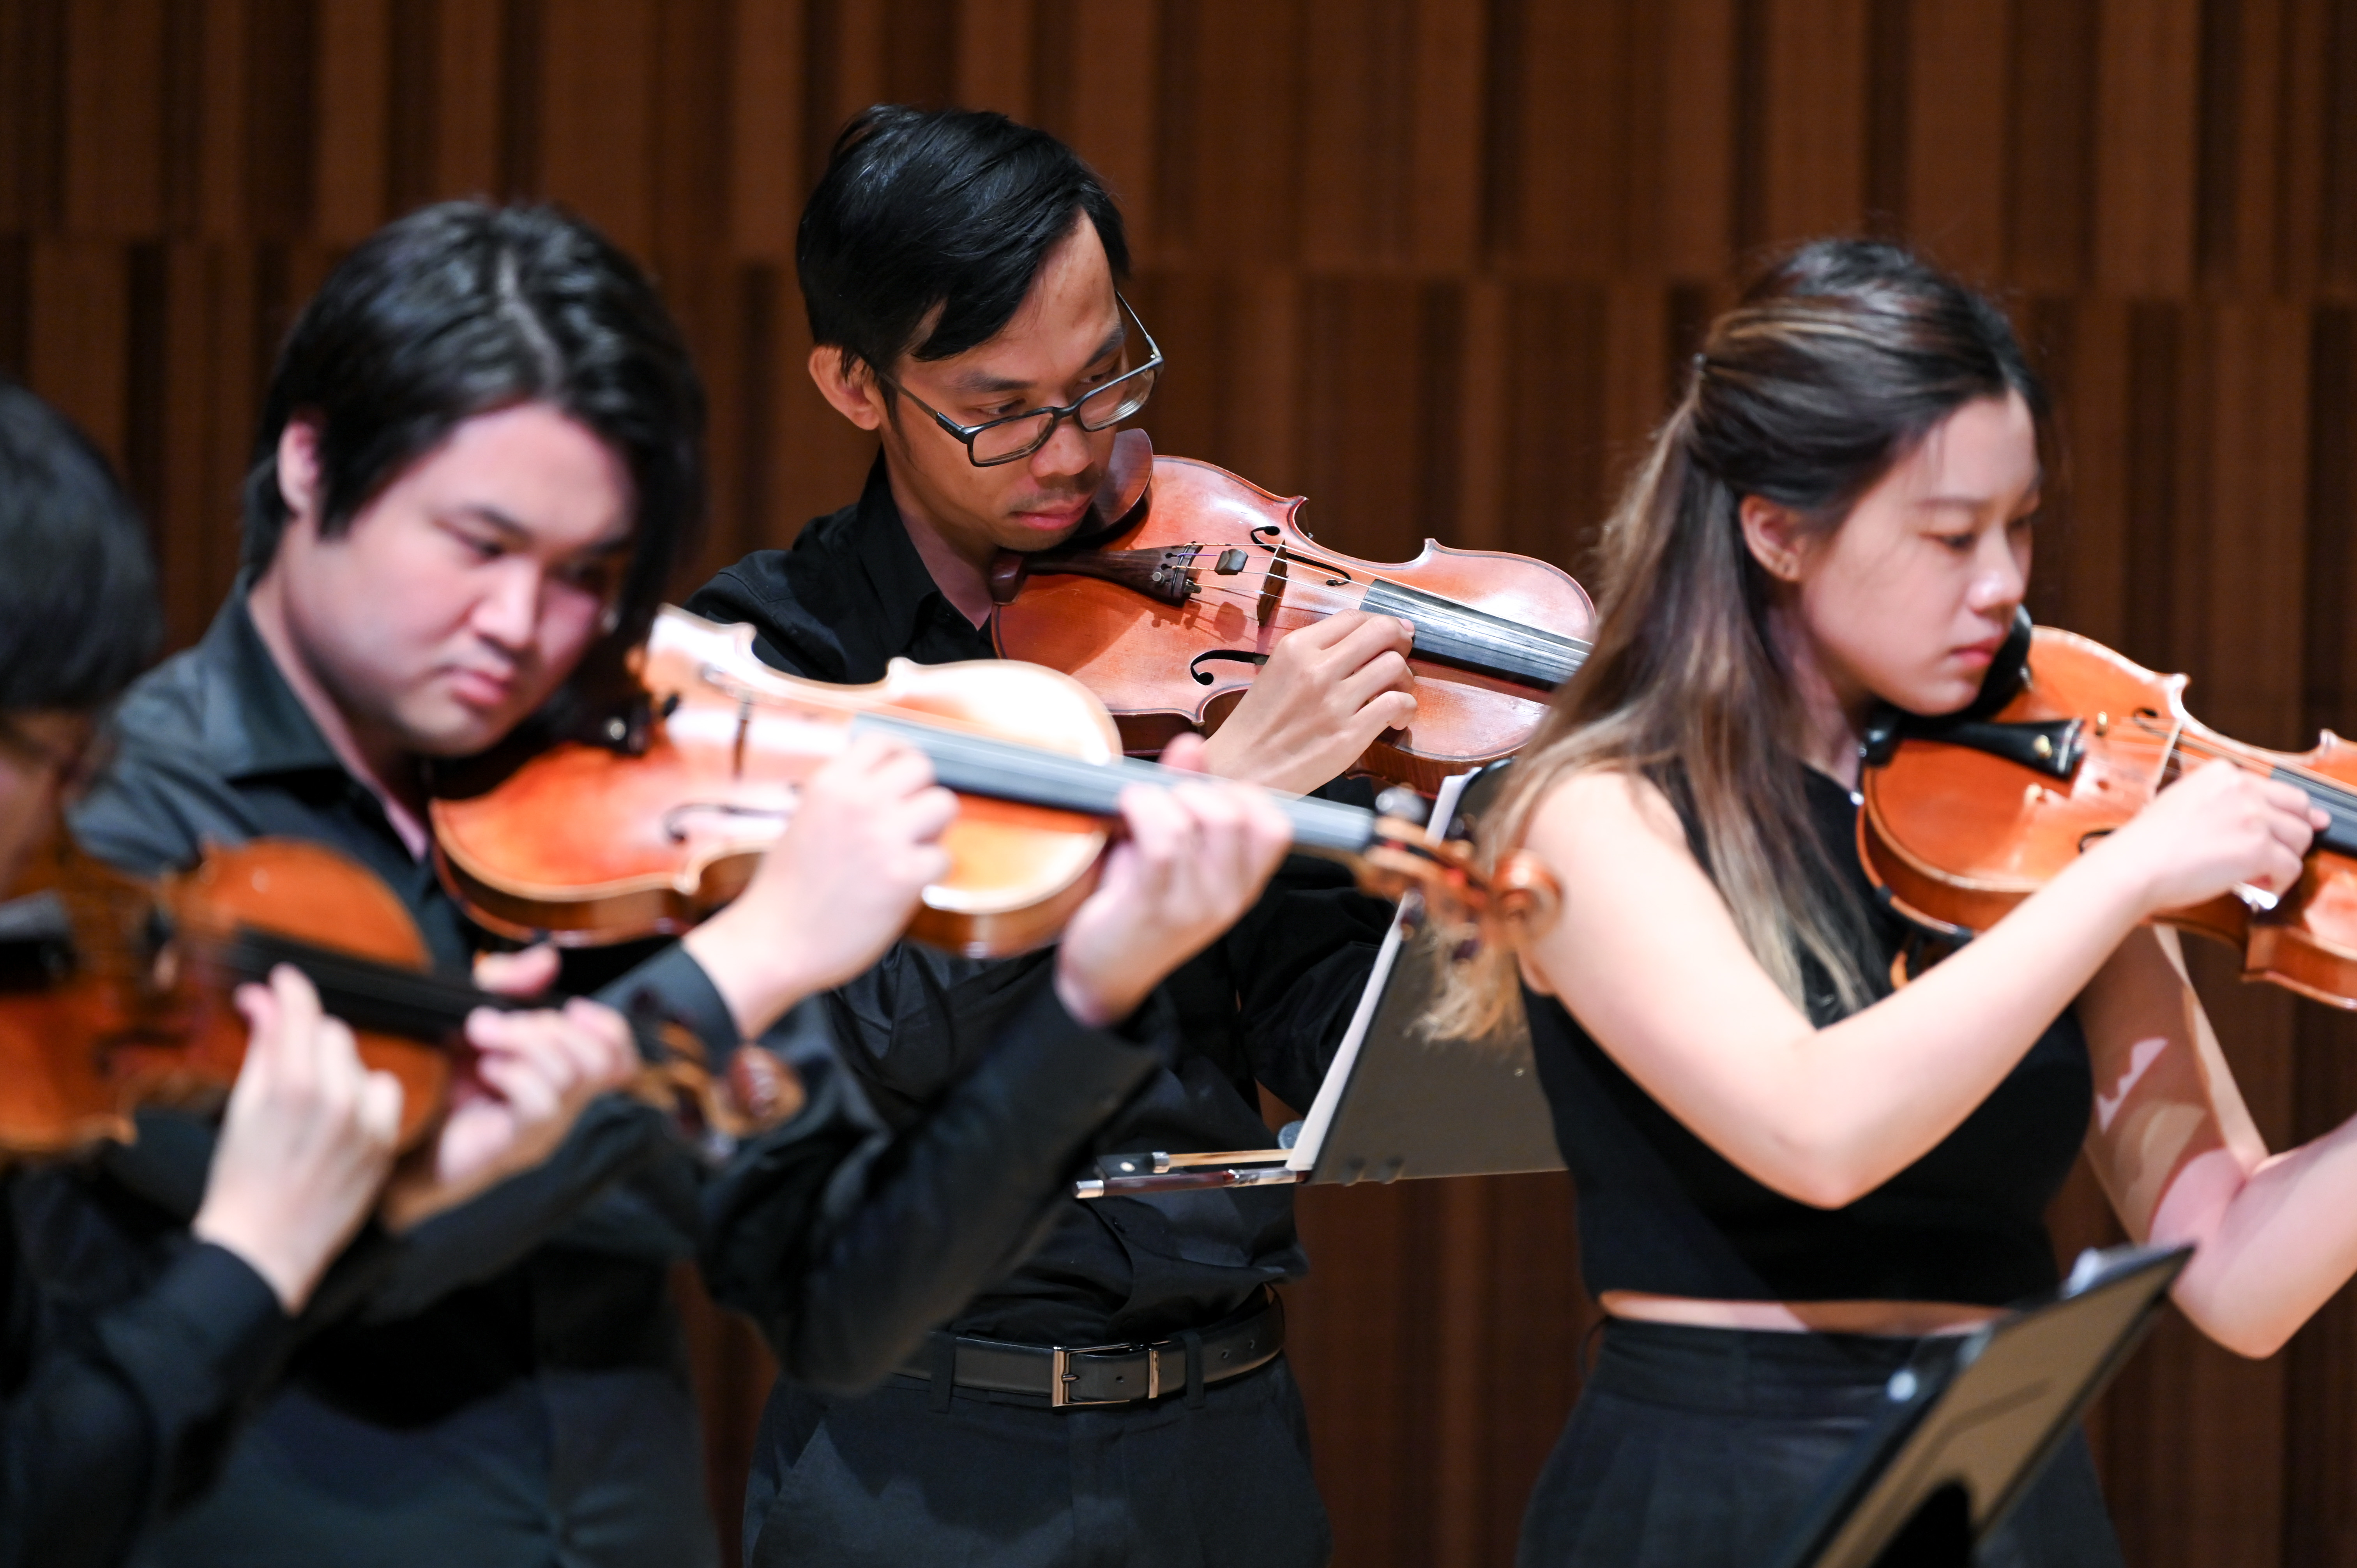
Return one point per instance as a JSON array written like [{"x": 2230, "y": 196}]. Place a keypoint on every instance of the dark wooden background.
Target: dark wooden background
[{"x": 1433, "y": 262}]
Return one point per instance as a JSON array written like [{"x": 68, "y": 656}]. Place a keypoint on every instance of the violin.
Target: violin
[
  {"x": 585, "y": 844},
  {"x": 1168, "y": 606},
  {"x": 1966, "y": 816},
  {"x": 115, "y": 994}
]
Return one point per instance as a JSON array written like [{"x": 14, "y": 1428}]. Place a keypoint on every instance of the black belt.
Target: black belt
[{"x": 1066, "y": 1375}]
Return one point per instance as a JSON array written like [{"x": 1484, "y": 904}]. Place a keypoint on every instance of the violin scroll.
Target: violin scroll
[{"x": 1516, "y": 900}]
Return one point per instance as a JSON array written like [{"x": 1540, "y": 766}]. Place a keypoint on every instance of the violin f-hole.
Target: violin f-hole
[{"x": 1204, "y": 677}]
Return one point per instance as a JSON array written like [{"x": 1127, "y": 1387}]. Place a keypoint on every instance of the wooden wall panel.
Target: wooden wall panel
[
  {"x": 2051, "y": 169},
  {"x": 1814, "y": 108},
  {"x": 113, "y": 128},
  {"x": 1955, "y": 129},
  {"x": 765, "y": 152},
  {"x": 2148, "y": 132},
  {"x": 353, "y": 139},
  {"x": 1561, "y": 195},
  {"x": 1438, "y": 264},
  {"x": 1104, "y": 57},
  {"x": 598, "y": 90}
]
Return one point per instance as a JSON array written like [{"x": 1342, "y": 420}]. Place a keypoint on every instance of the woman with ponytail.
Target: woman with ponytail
[{"x": 1787, "y": 1172}]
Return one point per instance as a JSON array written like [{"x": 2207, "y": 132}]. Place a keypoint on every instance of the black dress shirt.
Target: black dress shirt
[
  {"x": 102, "y": 1418},
  {"x": 1269, "y": 1002},
  {"x": 505, "y": 1384}
]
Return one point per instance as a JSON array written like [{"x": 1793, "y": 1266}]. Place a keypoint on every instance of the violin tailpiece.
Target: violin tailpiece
[{"x": 1164, "y": 575}]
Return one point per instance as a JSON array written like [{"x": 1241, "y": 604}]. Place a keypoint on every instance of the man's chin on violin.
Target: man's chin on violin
[{"x": 952, "y": 425}]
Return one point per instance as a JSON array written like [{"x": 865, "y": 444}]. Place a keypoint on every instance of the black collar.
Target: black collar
[
  {"x": 906, "y": 594},
  {"x": 254, "y": 723}
]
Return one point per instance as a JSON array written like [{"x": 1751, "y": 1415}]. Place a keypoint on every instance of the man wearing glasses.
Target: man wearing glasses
[{"x": 1121, "y": 1396}]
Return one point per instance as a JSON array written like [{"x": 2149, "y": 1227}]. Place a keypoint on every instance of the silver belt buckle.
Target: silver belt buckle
[{"x": 1061, "y": 1376}]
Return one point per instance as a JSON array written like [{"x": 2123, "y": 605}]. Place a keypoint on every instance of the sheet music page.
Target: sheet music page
[{"x": 1321, "y": 1114}]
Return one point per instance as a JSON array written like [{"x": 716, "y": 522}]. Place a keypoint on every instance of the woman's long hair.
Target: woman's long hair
[{"x": 1833, "y": 368}]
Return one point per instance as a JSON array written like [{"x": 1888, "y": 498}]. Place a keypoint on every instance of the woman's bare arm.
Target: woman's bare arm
[
  {"x": 2176, "y": 1149},
  {"x": 1648, "y": 956}
]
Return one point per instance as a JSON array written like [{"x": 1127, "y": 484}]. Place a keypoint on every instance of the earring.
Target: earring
[{"x": 609, "y": 618}]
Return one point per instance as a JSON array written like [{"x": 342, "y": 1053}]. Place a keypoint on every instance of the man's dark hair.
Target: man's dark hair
[
  {"x": 464, "y": 308},
  {"x": 77, "y": 611},
  {"x": 954, "y": 208}
]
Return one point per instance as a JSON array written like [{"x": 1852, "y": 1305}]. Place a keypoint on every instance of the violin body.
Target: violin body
[
  {"x": 1168, "y": 611},
  {"x": 131, "y": 1002},
  {"x": 1961, "y": 829},
  {"x": 583, "y": 844},
  {"x": 116, "y": 993}
]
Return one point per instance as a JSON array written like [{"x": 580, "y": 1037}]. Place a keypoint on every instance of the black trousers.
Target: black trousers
[
  {"x": 1701, "y": 1447},
  {"x": 996, "y": 1481}
]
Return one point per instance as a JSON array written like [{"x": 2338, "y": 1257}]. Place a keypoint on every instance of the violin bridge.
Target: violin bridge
[{"x": 1272, "y": 590}]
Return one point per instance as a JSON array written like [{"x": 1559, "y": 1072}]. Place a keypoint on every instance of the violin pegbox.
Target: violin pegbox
[
  {"x": 1440, "y": 880},
  {"x": 757, "y": 1090}
]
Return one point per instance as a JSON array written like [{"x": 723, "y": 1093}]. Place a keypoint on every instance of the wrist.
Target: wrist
[
  {"x": 418, "y": 1192},
  {"x": 1225, "y": 756},
  {"x": 2118, "y": 885},
  {"x": 759, "y": 974},
  {"x": 262, "y": 1247},
  {"x": 1089, "y": 1002}
]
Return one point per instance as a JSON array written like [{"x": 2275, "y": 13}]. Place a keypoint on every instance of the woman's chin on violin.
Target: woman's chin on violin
[{"x": 1808, "y": 1123}]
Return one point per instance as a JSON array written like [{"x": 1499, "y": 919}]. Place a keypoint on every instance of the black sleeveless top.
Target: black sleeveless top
[{"x": 1661, "y": 1211}]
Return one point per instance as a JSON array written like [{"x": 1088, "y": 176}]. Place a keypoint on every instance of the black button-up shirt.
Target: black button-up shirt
[
  {"x": 505, "y": 1384},
  {"x": 101, "y": 1416},
  {"x": 1269, "y": 1002}
]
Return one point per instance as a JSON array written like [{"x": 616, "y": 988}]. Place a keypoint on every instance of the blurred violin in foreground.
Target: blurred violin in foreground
[
  {"x": 1966, "y": 816},
  {"x": 115, "y": 994},
  {"x": 584, "y": 843},
  {"x": 1167, "y": 607}
]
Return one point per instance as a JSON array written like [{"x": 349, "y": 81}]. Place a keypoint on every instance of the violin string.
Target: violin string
[
  {"x": 1017, "y": 770},
  {"x": 1442, "y": 615},
  {"x": 1444, "y": 607},
  {"x": 1308, "y": 605},
  {"x": 1316, "y": 558},
  {"x": 2315, "y": 783},
  {"x": 2174, "y": 747},
  {"x": 1462, "y": 618},
  {"x": 1293, "y": 616}
]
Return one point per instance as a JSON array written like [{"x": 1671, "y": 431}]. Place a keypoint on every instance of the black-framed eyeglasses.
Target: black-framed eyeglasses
[
  {"x": 1017, "y": 435},
  {"x": 76, "y": 767}
]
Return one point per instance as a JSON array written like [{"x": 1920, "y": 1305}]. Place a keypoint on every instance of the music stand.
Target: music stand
[
  {"x": 1970, "y": 1427},
  {"x": 1397, "y": 1104},
  {"x": 1394, "y": 1103}
]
